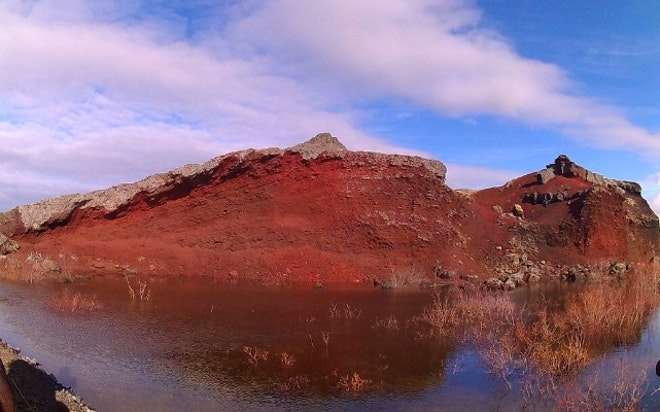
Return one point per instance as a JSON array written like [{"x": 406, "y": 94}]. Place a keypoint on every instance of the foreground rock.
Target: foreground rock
[
  {"x": 33, "y": 389},
  {"x": 321, "y": 213}
]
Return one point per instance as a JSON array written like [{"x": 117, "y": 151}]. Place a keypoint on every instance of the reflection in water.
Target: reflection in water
[
  {"x": 201, "y": 346},
  {"x": 191, "y": 343},
  {"x": 544, "y": 352},
  {"x": 323, "y": 355}
]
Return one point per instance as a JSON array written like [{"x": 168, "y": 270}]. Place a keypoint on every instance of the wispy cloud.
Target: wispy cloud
[
  {"x": 103, "y": 102},
  {"x": 654, "y": 202},
  {"x": 651, "y": 185},
  {"x": 474, "y": 177},
  {"x": 94, "y": 93},
  {"x": 437, "y": 55}
]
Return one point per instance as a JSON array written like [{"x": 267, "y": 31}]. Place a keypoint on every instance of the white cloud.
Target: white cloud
[
  {"x": 435, "y": 54},
  {"x": 474, "y": 177},
  {"x": 92, "y": 95},
  {"x": 99, "y": 103},
  {"x": 651, "y": 185},
  {"x": 655, "y": 204}
]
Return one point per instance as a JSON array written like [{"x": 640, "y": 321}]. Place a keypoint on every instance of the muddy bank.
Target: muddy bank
[{"x": 33, "y": 388}]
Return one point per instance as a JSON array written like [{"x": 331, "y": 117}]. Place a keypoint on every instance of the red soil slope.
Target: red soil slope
[{"x": 338, "y": 215}]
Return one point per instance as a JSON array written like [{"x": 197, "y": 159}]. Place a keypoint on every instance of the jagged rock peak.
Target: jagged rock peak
[
  {"x": 564, "y": 166},
  {"x": 321, "y": 143}
]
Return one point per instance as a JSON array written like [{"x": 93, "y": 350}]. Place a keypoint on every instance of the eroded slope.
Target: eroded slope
[{"x": 319, "y": 212}]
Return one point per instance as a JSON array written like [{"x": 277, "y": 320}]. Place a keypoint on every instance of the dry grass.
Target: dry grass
[
  {"x": 347, "y": 311},
  {"x": 293, "y": 384},
  {"x": 618, "y": 388},
  {"x": 612, "y": 313},
  {"x": 35, "y": 266},
  {"x": 255, "y": 354},
  {"x": 406, "y": 278},
  {"x": 31, "y": 268},
  {"x": 461, "y": 312},
  {"x": 353, "y": 383},
  {"x": 287, "y": 360},
  {"x": 67, "y": 301},
  {"x": 389, "y": 323},
  {"x": 544, "y": 350},
  {"x": 550, "y": 345},
  {"x": 140, "y": 292}
]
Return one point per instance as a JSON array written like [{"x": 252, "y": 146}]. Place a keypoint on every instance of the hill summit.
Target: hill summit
[{"x": 318, "y": 212}]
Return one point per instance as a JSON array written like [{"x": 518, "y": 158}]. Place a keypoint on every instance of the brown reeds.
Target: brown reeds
[
  {"x": 140, "y": 292},
  {"x": 544, "y": 348},
  {"x": 67, "y": 301},
  {"x": 347, "y": 311},
  {"x": 353, "y": 383},
  {"x": 287, "y": 360},
  {"x": 255, "y": 354},
  {"x": 462, "y": 312},
  {"x": 293, "y": 384},
  {"x": 617, "y": 387}
]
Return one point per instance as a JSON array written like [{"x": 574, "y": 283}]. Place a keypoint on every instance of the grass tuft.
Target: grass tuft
[
  {"x": 544, "y": 349},
  {"x": 67, "y": 301}
]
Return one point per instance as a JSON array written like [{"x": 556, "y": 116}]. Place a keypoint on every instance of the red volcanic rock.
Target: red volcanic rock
[{"x": 319, "y": 212}]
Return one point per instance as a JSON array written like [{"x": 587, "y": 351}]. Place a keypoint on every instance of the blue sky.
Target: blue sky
[{"x": 98, "y": 93}]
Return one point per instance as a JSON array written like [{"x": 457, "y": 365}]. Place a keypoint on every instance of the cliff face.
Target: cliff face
[{"x": 317, "y": 211}]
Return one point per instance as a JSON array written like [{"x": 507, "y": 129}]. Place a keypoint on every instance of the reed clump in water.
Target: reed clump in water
[
  {"x": 73, "y": 302},
  {"x": 141, "y": 292},
  {"x": 542, "y": 348}
]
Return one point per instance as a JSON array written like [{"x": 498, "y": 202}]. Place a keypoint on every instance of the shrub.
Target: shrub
[
  {"x": 353, "y": 383},
  {"x": 141, "y": 292},
  {"x": 255, "y": 354},
  {"x": 67, "y": 301},
  {"x": 546, "y": 350}
]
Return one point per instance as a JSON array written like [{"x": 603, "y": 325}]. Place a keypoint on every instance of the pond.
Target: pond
[{"x": 204, "y": 346}]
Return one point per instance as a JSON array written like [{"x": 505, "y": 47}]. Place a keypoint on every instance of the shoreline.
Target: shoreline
[{"x": 33, "y": 388}]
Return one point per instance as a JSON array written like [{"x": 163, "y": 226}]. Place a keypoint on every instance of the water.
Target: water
[{"x": 197, "y": 345}]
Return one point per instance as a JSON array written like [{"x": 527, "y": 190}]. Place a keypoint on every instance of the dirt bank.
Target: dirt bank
[{"x": 34, "y": 389}]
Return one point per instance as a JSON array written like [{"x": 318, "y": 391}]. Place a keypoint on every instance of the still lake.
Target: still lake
[{"x": 196, "y": 345}]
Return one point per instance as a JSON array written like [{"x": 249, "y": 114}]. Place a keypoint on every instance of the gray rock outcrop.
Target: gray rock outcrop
[
  {"x": 317, "y": 145},
  {"x": 563, "y": 166},
  {"x": 7, "y": 245},
  {"x": 157, "y": 188}
]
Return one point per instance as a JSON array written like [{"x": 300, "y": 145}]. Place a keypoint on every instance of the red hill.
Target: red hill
[{"x": 319, "y": 212}]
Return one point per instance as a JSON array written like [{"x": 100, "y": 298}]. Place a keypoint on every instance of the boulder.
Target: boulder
[
  {"x": 545, "y": 175},
  {"x": 618, "y": 269},
  {"x": 444, "y": 274},
  {"x": 7, "y": 245},
  {"x": 494, "y": 283},
  {"x": 518, "y": 211},
  {"x": 518, "y": 279},
  {"x": 509, "y": 284},
  {"x": 532, "y": 277}
]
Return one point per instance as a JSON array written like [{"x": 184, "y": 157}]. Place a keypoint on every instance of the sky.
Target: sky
[{"x": 97, "y": 93}]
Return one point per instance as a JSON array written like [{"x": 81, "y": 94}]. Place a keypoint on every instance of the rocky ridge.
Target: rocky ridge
[
  {"x": 319, "y": 212},
  {"x": 563, "y": 166},
  {"x": 161, "y": 187}
]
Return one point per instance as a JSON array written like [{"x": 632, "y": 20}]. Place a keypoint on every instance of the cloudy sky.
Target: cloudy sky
[{"x": 95, "y": 93}]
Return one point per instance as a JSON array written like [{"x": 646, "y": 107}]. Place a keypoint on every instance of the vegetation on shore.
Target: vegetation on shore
[
  {"x": 545, "y": 350},
  {"x": 68, "y": 301}
]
